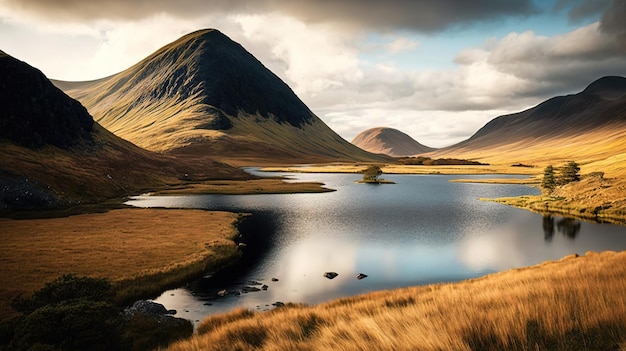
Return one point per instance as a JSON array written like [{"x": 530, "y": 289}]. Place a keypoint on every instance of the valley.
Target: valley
[{"x": 178, "y": 132}]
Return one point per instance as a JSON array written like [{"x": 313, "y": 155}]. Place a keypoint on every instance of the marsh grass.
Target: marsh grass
[
  {"x": 245, "y": 187},
  {"x": 576, "y": 303},
  {"x": 141, "y": 251}
]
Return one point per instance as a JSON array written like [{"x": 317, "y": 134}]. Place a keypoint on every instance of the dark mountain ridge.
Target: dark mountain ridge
[
  {"x": 36, "y": 113},
  {"x": 52, "y": 153},
  {"x": 602, "y": 103}
]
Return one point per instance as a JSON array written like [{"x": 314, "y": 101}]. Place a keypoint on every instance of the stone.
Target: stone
[
  {"x": 274, "y": 279},
  {"x": 330, "y": 275},
  {"x": 247, "y": 289},
  {"x": 361, "y": 276},
  {"x": 148, "y": 308}
]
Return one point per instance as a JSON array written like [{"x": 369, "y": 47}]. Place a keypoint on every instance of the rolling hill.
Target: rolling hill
[
  {"x": 53, "y": 154},
  {"x": 588, "y": 127},
  {"x": 389, "y": 141},
  {"x": 206, "y": 95}
]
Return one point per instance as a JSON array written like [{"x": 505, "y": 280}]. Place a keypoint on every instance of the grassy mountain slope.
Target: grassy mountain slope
[
  {"x": 588, "y": 127},
  {"x": 52, "y": 153},
  {"x": 390, "y": 142},
  {"x": 206, "y": 95}
]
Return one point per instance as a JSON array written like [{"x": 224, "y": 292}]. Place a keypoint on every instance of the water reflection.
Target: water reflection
[
  {"x": 569, "y": 227},
  {"x": 421, "y": 230}
]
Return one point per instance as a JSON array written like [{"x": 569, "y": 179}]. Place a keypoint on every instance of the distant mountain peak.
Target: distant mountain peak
[
  {"x": 35, "y": 112},
  {"x": 389, "y": 141}
]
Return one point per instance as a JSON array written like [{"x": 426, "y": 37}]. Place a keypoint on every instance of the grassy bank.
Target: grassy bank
[
  {"x": 407, "y": 169},
  {"x": 593, "y": 198},
  {"x": 141, "y": 251},
  {"x": 245, "y": 187},
  {"x": 576, "y": 303}
]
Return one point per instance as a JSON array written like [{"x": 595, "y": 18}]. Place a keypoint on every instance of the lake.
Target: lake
[{"x": 423, "y": 229}]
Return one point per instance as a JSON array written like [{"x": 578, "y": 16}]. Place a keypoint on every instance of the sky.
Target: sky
[{"x": 438, "y": 70}]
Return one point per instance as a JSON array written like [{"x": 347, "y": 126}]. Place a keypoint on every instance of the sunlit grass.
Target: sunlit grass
[
  {"x": 573, "y": 304},
  {"x": 140, "y": 250}
]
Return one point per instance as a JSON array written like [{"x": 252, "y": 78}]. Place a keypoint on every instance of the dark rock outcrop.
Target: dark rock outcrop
[
  {"x": 34, "y": 113},
  {"x": 331, "y": 275}
]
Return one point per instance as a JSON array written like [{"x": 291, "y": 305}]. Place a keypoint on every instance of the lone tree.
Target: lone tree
[
  {"x": 569, "y": 173},
  {"x": 548, "y": 182},
  {"x": 371, "y": 173}
]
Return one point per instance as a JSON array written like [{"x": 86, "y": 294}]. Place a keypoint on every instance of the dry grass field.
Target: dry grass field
[
  {"x": 245, "y": 187},
  {"x": 126, "y": 246},
  {"x": 576, "y": 303}
]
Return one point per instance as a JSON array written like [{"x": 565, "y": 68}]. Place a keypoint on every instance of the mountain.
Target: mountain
[
  {"x": 389, "y": 141},
  {"x": 204, "y": 94},
  {"x": 588, "y": 127},
  {"x": 34, "y": 113},
  {"x": 53, "y": 154}
]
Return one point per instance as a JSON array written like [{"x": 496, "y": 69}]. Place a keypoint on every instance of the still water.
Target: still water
[{"x": 423, "y": 229}]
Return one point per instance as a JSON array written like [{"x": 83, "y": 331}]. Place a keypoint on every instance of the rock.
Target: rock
[
  {"x": 361, "y": 276},
  {"x": 274, "y": 279},
  {"x": 247, "y": 289},
  {"x": 278, "y": 304},
  {"x": 148, "y": 308},
  {"x": 242, "y": 245},
  {"x": 222, "y": 293},
  {"x": 330, "y": 275},
  {"x": 264, "y": 287},
  {"x": 254, "y": 282}
]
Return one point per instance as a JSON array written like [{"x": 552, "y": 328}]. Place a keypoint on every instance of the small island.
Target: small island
[{"x": 371, "y": 176}]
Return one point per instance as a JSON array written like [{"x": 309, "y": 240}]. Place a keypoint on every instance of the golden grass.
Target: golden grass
[
  {"x": 407, "y": 169},
  {"x": 576, "y": 303},
  {"x": 122, "y": 245},
  {"x": 592, "y": 198},
  {"x": 601, "y": 149},
  {"x": 241, "y": 187},
  {"x": 525, "y": 181}
]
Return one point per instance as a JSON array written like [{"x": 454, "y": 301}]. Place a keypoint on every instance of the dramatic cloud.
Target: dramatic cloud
[
  {"x": 531, "y": 65},
  {"x": 421, "y": 15},
  {"x": 614, "y": 21},
  {"x": 357, "y": 64},
  {"x": 579, "y": 10}
]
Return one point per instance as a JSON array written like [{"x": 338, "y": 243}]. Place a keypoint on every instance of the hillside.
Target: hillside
[
  {"x": 589, "y": 127},
  {"x": 389, "y": 141},
  {"x": 53, "y": 154},
  {"x": 572, "y": 304},
  {"x": 206, "y": 95}
]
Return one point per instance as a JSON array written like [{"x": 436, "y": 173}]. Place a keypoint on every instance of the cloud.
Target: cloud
[
  {"x": 401, "y": 44},
  {"x": 613, "y": 20},
  {"x": 579, "y": 10},
  {"x": 534, "y": 67},
  {"x": 311, "y": 60},
  {"x": 420, "y": 15}
]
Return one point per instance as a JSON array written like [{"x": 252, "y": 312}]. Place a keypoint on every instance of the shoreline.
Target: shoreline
[{"x": 594, "y": 198}]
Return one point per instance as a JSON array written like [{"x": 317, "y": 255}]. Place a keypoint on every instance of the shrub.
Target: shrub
[
  {"x": 569, "y": 173},
  {"x": 372, "y": 173},
  {"x": 549, "y": 181},
  {"x": 66, "y": 288}
]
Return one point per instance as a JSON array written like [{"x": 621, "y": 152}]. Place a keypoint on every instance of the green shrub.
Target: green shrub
[{"x": 66, "y": 288}]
